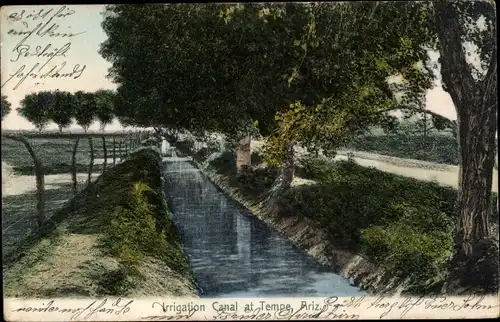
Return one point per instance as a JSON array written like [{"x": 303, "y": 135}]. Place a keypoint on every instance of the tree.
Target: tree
[
  {"x": 348, "y": 53},
  {"x": 84, "y": 109},
  {"x": 104, "y": 100},
  {"x": 225, "y": 65},
  {"x": 35, "y": 108},
  {"x": 373, "y": 46},
  {"x": 62, "y": 110},
  {"x": 5, "y": 106},
  {"x": 473, "y": 89}
]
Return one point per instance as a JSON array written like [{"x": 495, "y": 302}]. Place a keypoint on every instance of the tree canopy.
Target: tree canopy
[
  {"x": 61, "y": 110},
  {"x": 6, "y": 106},
  {"x": 35, "y": 107}
]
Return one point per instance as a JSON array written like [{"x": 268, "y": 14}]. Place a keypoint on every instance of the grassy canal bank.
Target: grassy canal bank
[
  {"x": 116, "y": 237},
  {"x": 390, "y": 234}
]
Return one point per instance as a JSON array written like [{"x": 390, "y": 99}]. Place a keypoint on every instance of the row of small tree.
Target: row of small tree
[{"x": 62, "y": 108}]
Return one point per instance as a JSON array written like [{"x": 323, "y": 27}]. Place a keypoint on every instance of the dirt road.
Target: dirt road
[{"x": 443, "y": 174}]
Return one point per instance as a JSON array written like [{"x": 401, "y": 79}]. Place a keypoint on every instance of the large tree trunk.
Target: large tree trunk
[
  {"x": 289, "y": 166},
  {"x": 243, "y": 153},
  {"x": 473, "y": 266}
]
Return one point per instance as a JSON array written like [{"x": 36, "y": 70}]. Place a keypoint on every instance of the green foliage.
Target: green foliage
[
  {"x": 403, "y": 249},
  {"x": 255, "y": 181},
  {"x": 35, "y": 108},
  {"x": 225, "y": 163},
  {"x": 61, "y": 107},
  {"x": 6, "y": 106},
  {"x": 62, "y": 110},
  {"x": 104, "y": 106},
  {"x": 225, "y": 66},
  {"x": 346, "y": 90},
  {"x": 402, "y": 224},
  {"x": 137, "y": 222},
  {"x": 85, "y": 110}
]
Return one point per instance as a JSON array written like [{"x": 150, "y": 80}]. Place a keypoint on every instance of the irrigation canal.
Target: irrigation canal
[{"x": 233, "y": 254}]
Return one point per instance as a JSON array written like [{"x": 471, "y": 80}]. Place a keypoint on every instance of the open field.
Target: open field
[{"x": 56, "y": 153}]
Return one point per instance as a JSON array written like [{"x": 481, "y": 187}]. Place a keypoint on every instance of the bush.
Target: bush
[
  {"x": 401, "y": 223},
  {"x": 225, "y": 163},
  {"x": 406, "y": 251},
  {"x": 256, "y": 181}
]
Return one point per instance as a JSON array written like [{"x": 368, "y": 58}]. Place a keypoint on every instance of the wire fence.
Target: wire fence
[{"x": 40, "y": 173}]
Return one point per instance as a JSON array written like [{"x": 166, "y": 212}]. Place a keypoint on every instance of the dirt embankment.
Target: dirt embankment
[{"x": 114, "y": 238}]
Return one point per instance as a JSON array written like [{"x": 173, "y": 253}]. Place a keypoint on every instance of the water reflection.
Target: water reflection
[{"x": 233, "y": 254}]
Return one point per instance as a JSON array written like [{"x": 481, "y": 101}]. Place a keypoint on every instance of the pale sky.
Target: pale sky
[{"x": 83, "y": 50}]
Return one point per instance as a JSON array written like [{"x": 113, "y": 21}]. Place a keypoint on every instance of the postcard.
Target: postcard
[{"x": 250, "y": 161}]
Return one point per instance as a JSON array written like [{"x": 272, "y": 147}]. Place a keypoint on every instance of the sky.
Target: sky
[{"x": 78, "y": 60}]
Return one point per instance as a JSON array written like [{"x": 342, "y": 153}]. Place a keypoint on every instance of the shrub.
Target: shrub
[
  {"x": 225, "y": 163},
  {"x": 406, "y": 251},
  {"x": 256, "y": 158},
  {"x": 256, "y": 181},
  {"x": 401, "y": 223}
]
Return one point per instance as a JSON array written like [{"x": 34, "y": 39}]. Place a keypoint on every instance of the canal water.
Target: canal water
[{"x": 233, "y": 254}]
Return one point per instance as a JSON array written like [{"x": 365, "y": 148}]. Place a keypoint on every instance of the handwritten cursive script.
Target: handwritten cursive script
[
  {"x": 97, "y": 306},
  {"x": 42, "y": 25},
  {"x": 472, "y": 302}
]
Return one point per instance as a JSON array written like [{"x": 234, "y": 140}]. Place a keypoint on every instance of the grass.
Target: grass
[
  {"x": 116, "y": 237},
  {"x": 402, "y": 224},
  {"x": 18, "y": 213},
  {"x": 55, "y": 154}
]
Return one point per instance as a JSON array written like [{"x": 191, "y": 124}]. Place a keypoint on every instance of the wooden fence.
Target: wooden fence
[{"x": 121, "y": 145}]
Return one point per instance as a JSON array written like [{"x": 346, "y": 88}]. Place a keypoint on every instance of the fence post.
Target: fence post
[
  {"x": 126, "y": 149},
  {"x": 73, "y": 165},
  {"x": 130, "y": 141},
  {"x": 91, "y": 164},
  {"x": 40, "y": 178},
  {"x": 105, "y": 153},
  {"x": 114, "y": 150},
  {"x": 120, "y": 150}
]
